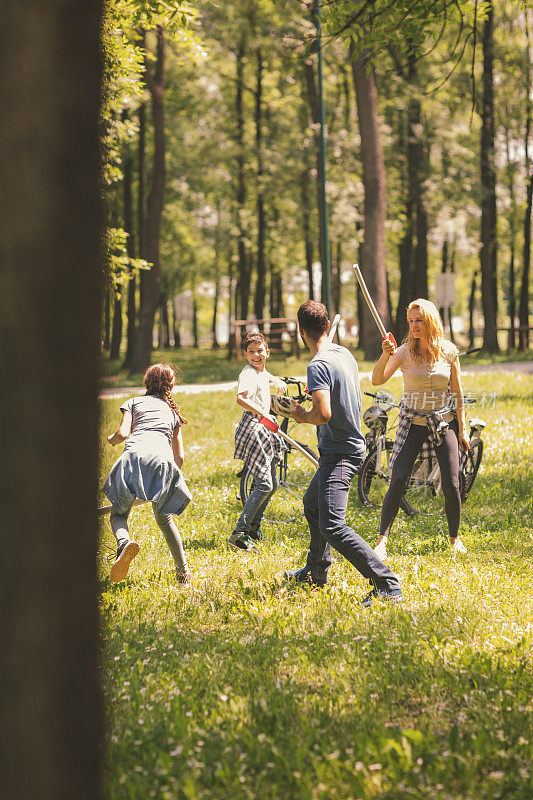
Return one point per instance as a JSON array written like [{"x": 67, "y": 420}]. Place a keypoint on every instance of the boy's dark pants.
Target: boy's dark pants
[{"x": 325, "y": 503}]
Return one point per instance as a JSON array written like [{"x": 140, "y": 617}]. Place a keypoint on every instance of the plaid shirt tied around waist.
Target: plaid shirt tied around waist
[
  {"x": 437, "y": 427},
  {"x": 257, "y": 446}
]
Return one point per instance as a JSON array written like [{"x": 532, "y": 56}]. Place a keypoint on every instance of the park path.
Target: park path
[{"x": 514, "y": 367}]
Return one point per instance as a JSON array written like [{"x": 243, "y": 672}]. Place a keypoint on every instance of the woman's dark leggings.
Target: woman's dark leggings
[{"x": 448, "y": 457}]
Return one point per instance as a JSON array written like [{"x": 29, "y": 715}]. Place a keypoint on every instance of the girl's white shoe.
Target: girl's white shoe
[
  {"x": 381, "y": 550},
  {"x": 458, "y": 546}
]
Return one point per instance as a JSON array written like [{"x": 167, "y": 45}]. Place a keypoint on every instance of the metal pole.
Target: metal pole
[{"x": 326, "y": 275}]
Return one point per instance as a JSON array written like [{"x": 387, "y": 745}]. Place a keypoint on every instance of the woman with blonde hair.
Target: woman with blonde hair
[{"x": 431, "y": 411}]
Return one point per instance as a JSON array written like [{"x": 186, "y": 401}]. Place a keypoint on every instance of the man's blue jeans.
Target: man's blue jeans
[
  {"x": 254, "y": 507},
  {"x": 325, "y": 503}
]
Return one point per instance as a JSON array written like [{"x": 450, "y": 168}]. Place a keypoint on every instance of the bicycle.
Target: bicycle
[
  {"x": 424, "y": 484},
  {"x": 294, "y": 470}
]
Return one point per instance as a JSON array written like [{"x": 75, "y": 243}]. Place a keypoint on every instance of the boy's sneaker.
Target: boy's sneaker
[
  {"x": 126, "y": 552},
  {"x": 392, "y": 596},
  {"x": 303, "y": 576},
  {"x": 184, "y": 576},
  {"x": 381, "y": 550},
  {"x": 256, "y": 535},
  {"x": 242, "y": 541}
]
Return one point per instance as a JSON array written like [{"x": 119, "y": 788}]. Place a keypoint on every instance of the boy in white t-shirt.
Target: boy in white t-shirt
[{"x": 259, "y": 448}]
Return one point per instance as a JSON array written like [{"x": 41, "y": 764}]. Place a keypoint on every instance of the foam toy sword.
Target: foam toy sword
[{"x": 372, "y": 307}]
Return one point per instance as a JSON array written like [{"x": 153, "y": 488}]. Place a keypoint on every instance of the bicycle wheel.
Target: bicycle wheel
[
  {"x": 471, "y": 467},
  {"x": 373, "y": 481},
  {"x": 424, "y": 492},
  {"x": 294, "y": 473}
]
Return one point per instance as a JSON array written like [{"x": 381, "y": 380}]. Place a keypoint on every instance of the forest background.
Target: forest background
[{"x": 213, "y": 171}]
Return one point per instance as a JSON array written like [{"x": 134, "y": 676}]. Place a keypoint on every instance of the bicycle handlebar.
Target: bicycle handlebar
[{"x": 302, "y": 394}]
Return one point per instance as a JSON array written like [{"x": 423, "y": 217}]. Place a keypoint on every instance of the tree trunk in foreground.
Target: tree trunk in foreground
[
  {"x": 373, "y": 256},
  {"x": 50, "y": 221}
]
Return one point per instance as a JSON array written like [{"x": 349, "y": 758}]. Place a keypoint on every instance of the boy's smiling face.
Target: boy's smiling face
[{"x": 256, "y": 355}]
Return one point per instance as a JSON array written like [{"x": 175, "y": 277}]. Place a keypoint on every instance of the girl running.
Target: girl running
[{"x": 149, "y": 469}]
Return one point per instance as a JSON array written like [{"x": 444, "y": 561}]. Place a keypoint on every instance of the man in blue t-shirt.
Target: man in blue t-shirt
[{"x": 333, "y": 383}]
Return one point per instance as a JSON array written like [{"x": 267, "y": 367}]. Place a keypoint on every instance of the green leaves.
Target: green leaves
[{"x": 121, "y": 266}]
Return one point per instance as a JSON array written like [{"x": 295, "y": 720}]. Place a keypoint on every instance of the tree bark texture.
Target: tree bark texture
[
  {"x": 471, "y": 308},
  {"x": 260, "y": 288},
  {"x": 523, "y": 312},
  {"x": 243, "y": 277},
  {"x": 116, "y": 333},
  {"x": 127, "y": 215},
  {"x": 150, "y": 279},
  {"x": 50, "y": 251},
  {"x": 373, "y": 251},
  {"x": 312, "y": 98},
  {"x": 489, "y": 245},
  {"x": 524, "y": 289},
  {"x": 305, "y": 201},
  {"x": 413, "y": 247}
]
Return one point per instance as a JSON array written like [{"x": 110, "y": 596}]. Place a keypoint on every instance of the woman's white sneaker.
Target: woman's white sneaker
[
  {"x": 458, "y": 546},
  {"x": 381, "y": 550}
]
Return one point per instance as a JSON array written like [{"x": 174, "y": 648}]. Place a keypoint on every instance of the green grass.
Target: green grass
[{"x": 238, "y": 687}]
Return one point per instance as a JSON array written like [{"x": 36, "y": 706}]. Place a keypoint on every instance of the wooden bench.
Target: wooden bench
[{"x": 277, "y": 331}]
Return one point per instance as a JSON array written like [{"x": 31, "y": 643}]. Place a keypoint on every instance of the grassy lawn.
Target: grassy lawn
[
  {"x": 238, "y": 687},
  {"x": 212, "y": 366}
]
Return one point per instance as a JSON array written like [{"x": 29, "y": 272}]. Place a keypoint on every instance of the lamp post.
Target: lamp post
[{"x": 326, "y": 274}]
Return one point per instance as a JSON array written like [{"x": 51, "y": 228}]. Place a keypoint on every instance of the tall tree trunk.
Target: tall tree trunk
[
  {"x": 443, "y": 269},
  {"x": 524, "y": 289},
  {"x": 232, "y": 301},
  {"x": 305, "y": 204},
  {"x": 214, "y": 340},
  {"x": 418, "y": 172},
  {"x": 312, "y": 97},
  {"x": 373, "y": 256},
  {"x": 526, "y": 261},
  {"x": 471, "y": 308},
  {"x": 243, "y": 277},
  {"x": 150, "y": 280},
  {"x": 177, "y": 329},
  {"x": 260, "y": 289},
  {"x": 450, "y": 309},
  {"x": 116, "y": 335},
  {"x": 337, "y": 281},
  {"x": 306, "y": 228},
  {"x": 130, "y": 245},
  {"x": 488, "y": 254},
  {"x": 413, "y": 247},
  {"x": 195, "y": 319},
  {"x": 164, "y": 329},
  {"x": 337, "y": 277},
  {"x": 50, "y": 81},
  {"x": 143, "y": 182}
]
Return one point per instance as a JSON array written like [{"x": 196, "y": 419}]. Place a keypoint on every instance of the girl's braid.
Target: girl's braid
[{"x": 158, "y": 380}]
